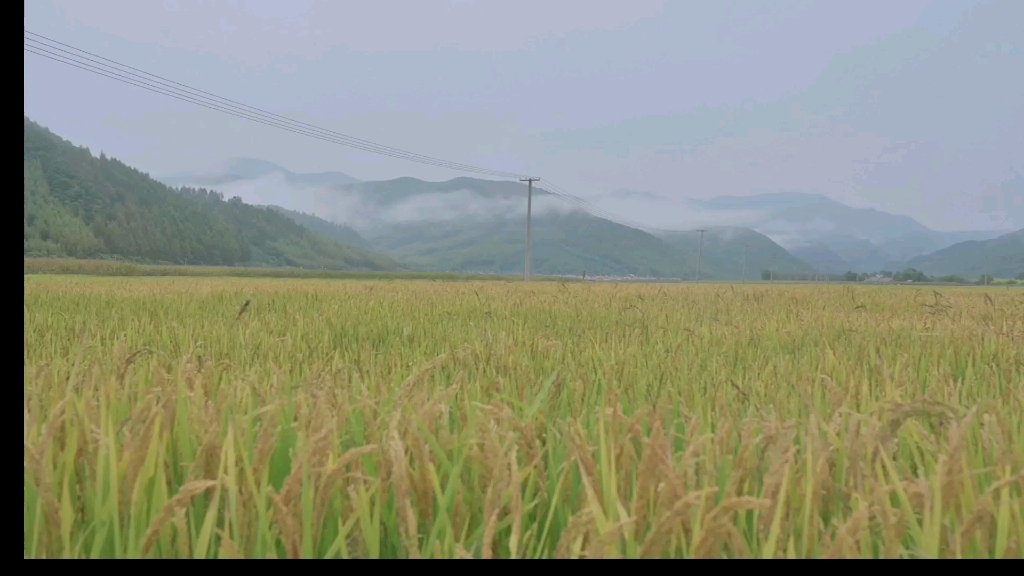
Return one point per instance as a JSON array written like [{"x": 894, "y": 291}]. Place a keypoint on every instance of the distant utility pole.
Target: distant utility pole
[
  {"x": 529, "y": 223},
  {"x": 745, "y": 248},
  {"x": 700, "y": 250}
]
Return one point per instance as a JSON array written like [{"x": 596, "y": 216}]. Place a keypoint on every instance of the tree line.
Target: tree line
[
  {"x": 81, "y": 206},
  {"x": 908, "y": 275}
]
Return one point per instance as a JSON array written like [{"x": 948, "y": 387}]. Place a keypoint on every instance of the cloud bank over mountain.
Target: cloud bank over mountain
[{"x": 910, "y": 107}]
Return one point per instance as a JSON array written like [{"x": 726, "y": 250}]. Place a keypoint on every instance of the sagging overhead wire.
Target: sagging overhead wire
[{"x": 81, "y": 59}]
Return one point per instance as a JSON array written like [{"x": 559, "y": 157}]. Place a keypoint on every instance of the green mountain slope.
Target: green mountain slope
[
  {"x": 337, "y": 232},
  {"x": 914, "y": 244},
  {"x": 565, "y": 244},
  {"x": 723, "y": 253},
  {"x": 1002, "y": 257},
  {"x": 50, "y": 227},
  {"x": 841, "y": 254},
  {"x": 81, "y": 206},
  {"x": 473, "y": 225}
]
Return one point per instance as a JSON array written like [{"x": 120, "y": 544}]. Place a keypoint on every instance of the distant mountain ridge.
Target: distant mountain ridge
[
  {"x": 818, "y": 215},
  {"x": 808, "y": 223},
  {"x": 239, "y": 169},
  {"x": 830, "y": 236},
  {"x": 836, "y": 238},
  {"x": 1001, "y": 257},
  {"x": 469, "y": 224},
  {"x": 82, "y": 206},
  {"x": 414, "y": 219}
]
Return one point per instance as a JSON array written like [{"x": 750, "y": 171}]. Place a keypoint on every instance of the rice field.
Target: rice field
[{"x": 202, "y": 417}]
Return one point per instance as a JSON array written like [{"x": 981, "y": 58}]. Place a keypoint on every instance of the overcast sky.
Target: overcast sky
[{"x": 909, "y": 106}]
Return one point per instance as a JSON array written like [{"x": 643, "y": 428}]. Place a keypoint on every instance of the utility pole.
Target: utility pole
[
  {"x": 529, "y": 229},
  {"x": 745, "y": 248},
  {"x": 700, "y": 250}
]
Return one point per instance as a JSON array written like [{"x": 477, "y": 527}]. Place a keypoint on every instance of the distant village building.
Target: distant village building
[{"x": 877, "y": 279}]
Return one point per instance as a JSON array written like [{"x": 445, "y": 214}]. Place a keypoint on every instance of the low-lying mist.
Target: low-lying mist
[
  {"x": 271, "y": 189},
  {"x": 673, "y": 215},
  {"x": 364, "y": 213}
]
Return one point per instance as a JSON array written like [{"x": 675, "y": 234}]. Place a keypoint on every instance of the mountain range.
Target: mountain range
[
  {"x": 240, "y": 169},
  {"x": 832, "y": 237},
  {"x": 83, "y": 206},
  {"x": 468, "y": 224},
  {"x": 865, "y": 239},
  {"x": 1001, "y": 257}
]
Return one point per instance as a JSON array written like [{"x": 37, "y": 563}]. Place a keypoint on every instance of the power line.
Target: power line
[
  {"x": 559, "y": 192},
  {"x": 162, "y": 88},
  {"x": 152, "y": 82},
  {"x": 52, "y": 50},
  {"x": 253, "y": 117}
]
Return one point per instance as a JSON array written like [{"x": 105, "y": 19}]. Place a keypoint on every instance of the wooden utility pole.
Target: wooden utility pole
[
  {"x": 529, "y": 223},
  {"x": 700, "y": 251}
]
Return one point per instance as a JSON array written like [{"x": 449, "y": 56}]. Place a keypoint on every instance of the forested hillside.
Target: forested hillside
[
  {"x": 726, "y": 247},
  {"x": 1001, "y": 257},
  {"x": 562, "y": 244},
  {"x": 337, "y": 232},
  {"x": 81, "y": 206}
]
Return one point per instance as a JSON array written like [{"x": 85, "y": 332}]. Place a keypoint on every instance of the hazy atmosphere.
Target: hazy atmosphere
[
  {"x": 519, "y": 279},
  {"x": 910, "y": 107}
]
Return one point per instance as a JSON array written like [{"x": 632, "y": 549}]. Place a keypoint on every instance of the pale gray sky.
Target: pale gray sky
[{"x": 913, "y": 107}]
